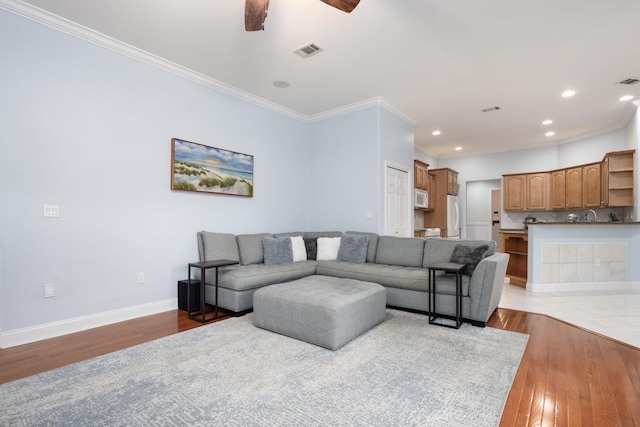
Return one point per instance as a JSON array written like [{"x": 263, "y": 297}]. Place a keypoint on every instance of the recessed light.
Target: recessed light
[
  {"x": 547, "y": 122},
  {"x": 626, "y": 98},
  {"x": 550, "y": 133},
  {"x": 281, "y": 84},
  {"x": 568, "y": 93},
  {"x": 436, "y": 132},
  {"x": 458, "y": 148}
]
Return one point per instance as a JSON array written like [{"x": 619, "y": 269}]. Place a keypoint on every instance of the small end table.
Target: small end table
[
  {"x": 203, "y": 266},
  {"x": 447, "y": 267}
]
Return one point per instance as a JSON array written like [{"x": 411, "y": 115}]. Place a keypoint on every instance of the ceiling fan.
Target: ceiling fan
[{"x": 255, "y": 11}]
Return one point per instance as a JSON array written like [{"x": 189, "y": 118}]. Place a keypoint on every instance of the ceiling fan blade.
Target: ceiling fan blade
[
  {"x": 343, "y": 5},
  {"x": 255, "y": 12}
]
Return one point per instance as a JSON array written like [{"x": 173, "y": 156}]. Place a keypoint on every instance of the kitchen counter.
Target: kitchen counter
[
  {"x": 513, "y": 231},
  {"x": 584, "y": 223}
]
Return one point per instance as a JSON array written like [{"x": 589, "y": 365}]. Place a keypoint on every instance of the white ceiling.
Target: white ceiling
[{"x": 439, "y": 62}]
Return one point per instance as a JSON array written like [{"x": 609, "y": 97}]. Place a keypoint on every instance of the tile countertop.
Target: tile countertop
[{"x": 584, "y": 223}]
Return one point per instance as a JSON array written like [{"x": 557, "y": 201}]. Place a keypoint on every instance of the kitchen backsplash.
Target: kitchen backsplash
[{"x": 515, "y": 219}]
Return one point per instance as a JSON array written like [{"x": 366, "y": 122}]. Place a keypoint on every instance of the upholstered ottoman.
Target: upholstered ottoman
[{"x": 322, "y": 310}]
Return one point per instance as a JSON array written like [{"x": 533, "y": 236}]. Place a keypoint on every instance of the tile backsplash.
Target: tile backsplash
[
  {"x": 515, "y": 219},
  {"x": 583, "y": 262}
]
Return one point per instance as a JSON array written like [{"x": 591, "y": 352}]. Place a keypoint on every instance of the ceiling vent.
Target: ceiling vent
[
  {"x": 486, "y": 110},
  {"x": 308, "y": 50},
  {"x": 630, "y": 81}
]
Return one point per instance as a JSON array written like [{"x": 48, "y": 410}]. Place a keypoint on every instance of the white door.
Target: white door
[{"x": 397, "y": 202}]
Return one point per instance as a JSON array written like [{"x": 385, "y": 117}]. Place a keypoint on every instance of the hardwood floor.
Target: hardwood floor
[{"x": 567, "y": 376}]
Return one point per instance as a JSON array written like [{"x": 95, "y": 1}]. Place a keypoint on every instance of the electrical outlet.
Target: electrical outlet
[
  {"x": 140, "y": 278},
  {"x": 49, "y": 290},
  {"x": 369, "y": 214}
]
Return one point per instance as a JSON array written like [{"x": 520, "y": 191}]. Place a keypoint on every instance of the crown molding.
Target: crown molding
[{"x": 51, "y": 20}]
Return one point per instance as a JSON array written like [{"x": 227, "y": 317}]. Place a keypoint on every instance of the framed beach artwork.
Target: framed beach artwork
[{"x": 200, "y": 168}]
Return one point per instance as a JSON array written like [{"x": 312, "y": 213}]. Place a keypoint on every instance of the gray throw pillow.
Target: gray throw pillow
[
  {"x": 277, "y": 250},
  {"x": 311, "y": 245},
  {"x": 353, "y": 248},
  {"x": 470, "y": 255}
]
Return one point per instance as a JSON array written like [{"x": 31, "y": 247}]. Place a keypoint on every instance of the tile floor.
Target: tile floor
[{"x": 615, "y": 314}]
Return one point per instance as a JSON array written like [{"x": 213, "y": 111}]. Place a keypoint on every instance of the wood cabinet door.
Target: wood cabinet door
[
  {"x": 591, "y": 186},
  {"x": 604, "y": 182},
  {"x": 514, "y": 186},
  {"x": 418, "y": 176},
  {"x": 558, "y": 190},
  {"x": 431, "y": 189},
  {"x": 452, "y": 183},
  {"x": 574, "y": 188},
  {"x": 537, "y": 191}
]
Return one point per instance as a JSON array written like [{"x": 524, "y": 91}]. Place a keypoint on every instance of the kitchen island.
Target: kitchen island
[{"x": 568, "y": 256}]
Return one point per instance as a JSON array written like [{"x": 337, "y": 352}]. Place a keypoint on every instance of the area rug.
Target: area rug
[{"x": 402, "y": 372}]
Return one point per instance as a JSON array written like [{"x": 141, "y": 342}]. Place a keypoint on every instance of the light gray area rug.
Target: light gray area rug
[{"x": 402, "y": 372}]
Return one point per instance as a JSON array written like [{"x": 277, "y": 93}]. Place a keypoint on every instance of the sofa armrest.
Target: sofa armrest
[{"x": 485, "y": 287}]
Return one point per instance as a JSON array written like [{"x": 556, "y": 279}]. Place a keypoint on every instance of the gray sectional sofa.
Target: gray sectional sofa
[{"x": 400, "y": 264}]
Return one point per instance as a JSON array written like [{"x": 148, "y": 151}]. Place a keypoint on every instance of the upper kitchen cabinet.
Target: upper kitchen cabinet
[
  {"x": 452, "y": 182},
  {"x": 537, "y": 192},
  {"x": 591, "y": 186},
  {"x": 573, "y": 188},
  {"x": 528, "y": 191},
  {"x": 617, "y": 179},
  {"x": 558, "y": 189},
  {"x": 514, "y": 187},
  {"x": 421, "y": 175}
]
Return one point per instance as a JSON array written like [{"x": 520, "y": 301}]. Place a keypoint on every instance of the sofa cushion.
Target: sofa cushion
[
  {"x": 317, "y": 234},
  {"x": 440, "y": 250},
  {"x": 403, "y": 251},
  {"x": 277, "y": 250},
  {"x": 289, "y": 234},
  {"x": 469, "y": 255},
  {"x": 328, "y": 248},
  {"x": 220, "y": 246},
  {"x": 244, "y": 277},
  {"x": 298, "y": 248},
  {"x": 250, "y": 248},
  {"x": 414, "y": 278},
  {"x": 373, "y": 244},
  {"x": 353, "y": 248}
]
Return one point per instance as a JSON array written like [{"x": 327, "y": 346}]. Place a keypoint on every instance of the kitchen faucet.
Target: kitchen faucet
[{"x": 586, "y": 215}]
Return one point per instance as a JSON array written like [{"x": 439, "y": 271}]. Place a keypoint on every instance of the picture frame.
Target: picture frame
[{"x": 201, "y": 168}]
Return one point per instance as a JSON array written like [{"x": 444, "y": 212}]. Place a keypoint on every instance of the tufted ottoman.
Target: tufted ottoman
[{"x": 322, "y": 310}]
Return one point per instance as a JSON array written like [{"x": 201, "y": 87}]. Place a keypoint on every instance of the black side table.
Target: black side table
[
  {"x": 447, "y": 267},
  {"x": 203, "y": 266}
]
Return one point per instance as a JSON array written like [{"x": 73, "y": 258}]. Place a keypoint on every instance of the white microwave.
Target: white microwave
[{"x": 420, "y": 199}]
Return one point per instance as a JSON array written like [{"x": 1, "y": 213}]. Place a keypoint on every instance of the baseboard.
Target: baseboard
[
  {"x": 77, "y": 324},
  {"x": 584, "y": 286}
]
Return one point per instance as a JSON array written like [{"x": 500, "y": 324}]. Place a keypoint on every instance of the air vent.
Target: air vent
[
  {"x": 308, "y": 50},
  {"x": 486, "y": 110},
  {"x": 630, "y": 81}
]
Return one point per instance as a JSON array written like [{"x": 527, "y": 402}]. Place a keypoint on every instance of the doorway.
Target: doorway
[{"x": 481, "y": 219}]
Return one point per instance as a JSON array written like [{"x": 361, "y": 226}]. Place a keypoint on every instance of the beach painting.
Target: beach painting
[{"x": 200, "y": 168}]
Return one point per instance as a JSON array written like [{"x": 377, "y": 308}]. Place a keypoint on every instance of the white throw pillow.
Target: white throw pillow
[
  {"x": 328, "y": 248},
  {"x": 299, "y": 250}
]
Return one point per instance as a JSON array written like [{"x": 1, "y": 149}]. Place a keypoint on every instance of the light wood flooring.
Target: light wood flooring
[{"x": 568, "y": 376}]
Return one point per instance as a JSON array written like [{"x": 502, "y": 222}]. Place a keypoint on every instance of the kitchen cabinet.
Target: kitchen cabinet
[
  {"x": 574, "y": 188},
  {"x": 517, "y": 246},
  {"x": 558, "y": 190},
  {"x": 452, "y": 182},
  {"x": 431, "y": 189},
  {"x": 420, "y": 175},
  {"x": 514, "y": 192},
  {"x": 537, "y": 191},
  {"x": 591, "y": 183},
  {"x": 617, "y": 179},
  {"x": 440, "y": 186}
]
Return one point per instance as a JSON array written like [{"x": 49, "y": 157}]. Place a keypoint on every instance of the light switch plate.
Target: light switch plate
[
  {"x": 49, "y": 290},
  {"x": 51, "y": 211}
]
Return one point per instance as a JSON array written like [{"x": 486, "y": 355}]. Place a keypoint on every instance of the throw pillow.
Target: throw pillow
[
  {"x": 311, "y": 245},
  {"x": 299, "y": 251},
  {"x": 277, "y": 250},
  {"x": 353, "y": 248},
  {"x": 328, "y": 248},
  {"x": 470, "y": 255}
]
